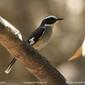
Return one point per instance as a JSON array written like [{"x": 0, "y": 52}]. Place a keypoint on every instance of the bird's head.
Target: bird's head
[{"x": 51, "y": 20}]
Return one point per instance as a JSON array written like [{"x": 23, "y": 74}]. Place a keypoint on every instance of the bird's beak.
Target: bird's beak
[{"x": 60, "y": 19}]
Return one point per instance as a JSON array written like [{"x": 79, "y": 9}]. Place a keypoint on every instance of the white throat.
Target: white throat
[{"x": 50, "y": 25}]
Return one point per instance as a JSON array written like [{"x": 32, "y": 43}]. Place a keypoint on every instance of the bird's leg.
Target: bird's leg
[{"x": 10, "y": 66}]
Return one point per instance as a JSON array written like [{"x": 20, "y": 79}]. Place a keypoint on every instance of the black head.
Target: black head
[{"x": 51, "y": 19}]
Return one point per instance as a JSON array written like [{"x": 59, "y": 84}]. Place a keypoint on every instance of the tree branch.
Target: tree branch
[{"x": 38, "y": 65}]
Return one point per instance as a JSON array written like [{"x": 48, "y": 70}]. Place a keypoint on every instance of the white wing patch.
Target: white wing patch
[{"x": 32, "y": 41}]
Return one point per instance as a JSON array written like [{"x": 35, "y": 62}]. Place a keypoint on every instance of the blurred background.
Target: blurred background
[{"x": 26, "y": 15}]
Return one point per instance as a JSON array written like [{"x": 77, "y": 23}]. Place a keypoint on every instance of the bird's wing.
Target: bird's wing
[{"x": 36, "y": 35}]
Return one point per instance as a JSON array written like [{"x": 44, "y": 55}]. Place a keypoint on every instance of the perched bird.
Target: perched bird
[{"x": 40, "y": 37}]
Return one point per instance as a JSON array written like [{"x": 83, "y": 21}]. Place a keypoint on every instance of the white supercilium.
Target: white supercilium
[{"x": 50, "y": 17}]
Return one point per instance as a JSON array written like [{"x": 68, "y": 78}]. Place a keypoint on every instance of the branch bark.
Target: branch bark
[{"x": 37, "y": 64}]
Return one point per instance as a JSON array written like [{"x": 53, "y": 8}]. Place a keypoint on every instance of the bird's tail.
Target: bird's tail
[{"x": 10, "y": 66}]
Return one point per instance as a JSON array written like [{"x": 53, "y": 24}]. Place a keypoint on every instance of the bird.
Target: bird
[{"x": 39, "y": 37}]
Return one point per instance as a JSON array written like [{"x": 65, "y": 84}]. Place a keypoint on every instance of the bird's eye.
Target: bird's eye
[{"x": 50, "y": 20}]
